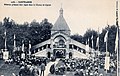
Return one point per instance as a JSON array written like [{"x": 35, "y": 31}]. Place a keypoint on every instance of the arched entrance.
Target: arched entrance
[
  {"x": 59, "y": 53},
  {"x": 59, "y": 47}
]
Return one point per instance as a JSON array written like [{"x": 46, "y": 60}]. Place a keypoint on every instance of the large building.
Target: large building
[{"x": 60, "y": 44}]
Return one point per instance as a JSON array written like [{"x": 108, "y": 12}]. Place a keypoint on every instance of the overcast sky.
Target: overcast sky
[{"x": 80, "y": 15}]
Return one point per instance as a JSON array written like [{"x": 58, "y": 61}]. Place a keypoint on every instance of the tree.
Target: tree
[
  {"x": 77, "y": 37},
  {"x": 88, "y": 35}
]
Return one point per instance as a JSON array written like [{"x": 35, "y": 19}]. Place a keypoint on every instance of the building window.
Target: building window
[{"x": 61, "y": 43}]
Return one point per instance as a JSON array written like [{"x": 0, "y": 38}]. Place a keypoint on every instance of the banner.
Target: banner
[
  {"x": 23, "y": 56},
  {"x": 87, "y": 46},
  {"x": 107, "y": 63},
  {"x": 105, "y": 38},
  {"x": 116, "y": 41},
  {"x": 5, "y": 55}
]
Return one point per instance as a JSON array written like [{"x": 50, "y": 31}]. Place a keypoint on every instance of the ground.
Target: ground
[{"x": 8, "y": 69}]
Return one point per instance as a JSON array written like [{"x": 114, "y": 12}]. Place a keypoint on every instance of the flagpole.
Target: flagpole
[
  {"x": 117, "y": 50},
  {"x": 106, "y": 47},
  {"x": 98, "y": 47},
  {"x": 92, "y": 43},
  {"x": 98, "y": 40},
  {"x": 5, "y": 41},
  {"x": 14, "y": 43},
  {"x": 29, "y": 48},
  {"x": 106, "y": 54},
  {"x": 106, "y": 38},
  {"x": 5, "y": 53}
]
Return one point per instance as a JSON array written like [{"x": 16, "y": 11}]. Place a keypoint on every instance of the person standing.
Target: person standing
[
  {"x": 42, "y": 69},
  {"x": 70, "y": 55},
  {"x": 52, "y": 69},
  {"x": 35, "y": 71}
]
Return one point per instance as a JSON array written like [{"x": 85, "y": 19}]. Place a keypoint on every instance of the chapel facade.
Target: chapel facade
[{"x": 60, "y": 45}]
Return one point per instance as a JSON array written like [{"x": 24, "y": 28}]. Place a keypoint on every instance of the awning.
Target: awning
[{"x": 42, "y": 53}]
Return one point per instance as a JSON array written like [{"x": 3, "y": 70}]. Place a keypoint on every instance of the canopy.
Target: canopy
[{"x": 42, "y": 53}]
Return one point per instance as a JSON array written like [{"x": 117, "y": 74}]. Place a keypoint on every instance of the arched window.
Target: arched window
[{"x": 61, "y": 43}]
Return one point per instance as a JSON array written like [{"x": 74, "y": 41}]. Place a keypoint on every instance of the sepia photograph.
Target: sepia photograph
[{"x": 59, "y": 38}]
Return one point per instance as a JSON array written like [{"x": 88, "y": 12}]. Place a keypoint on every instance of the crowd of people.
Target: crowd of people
[
  {"x": 79, "y": 67},
  {"x": 32, "y": 70},
  {"x": 35, "y": 66}
]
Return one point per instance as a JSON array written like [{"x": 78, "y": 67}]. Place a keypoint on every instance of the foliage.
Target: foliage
[
  {"x": 77, "y": 37},
  {"x": 102, "y": 45},
  {"x": 35, "y": 32}
]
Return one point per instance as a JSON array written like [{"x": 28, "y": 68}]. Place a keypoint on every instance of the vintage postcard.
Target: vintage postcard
[{"x": 59, "y": 38}]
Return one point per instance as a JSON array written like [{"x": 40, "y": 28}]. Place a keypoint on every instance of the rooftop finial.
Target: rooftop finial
[{"x": 61, "y": 10}]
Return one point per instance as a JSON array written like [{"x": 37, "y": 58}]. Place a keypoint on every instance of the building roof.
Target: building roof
[{"x": 61, "y": 24}]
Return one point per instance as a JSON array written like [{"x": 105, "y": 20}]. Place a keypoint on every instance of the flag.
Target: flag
[
  {"x": 23, "y": 46},
  {"x": 92, "y": 41},
  {"x": 105, "y": 40},
  {"x": 97, "y": 42},
  {"x": 87, "y": 45},
  {"x": 5, "y": 32},
  {"x": 29, "y": 48},
  {"x": 5, "y": 39},
  {"x": 116, "y": 41},
  {"x": 14, "y": 43},
  {"x": 107, "y": 63},
  {"x": 92, "y": 37},
  {"x": 106, "y": 36}
]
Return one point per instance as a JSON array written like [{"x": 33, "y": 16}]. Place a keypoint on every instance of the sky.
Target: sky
[{"x": 80, "y": 15}]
